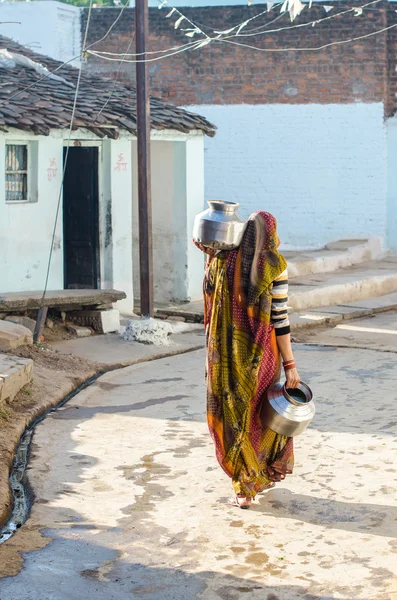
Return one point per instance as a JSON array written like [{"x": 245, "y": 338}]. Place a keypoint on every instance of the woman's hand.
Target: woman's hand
[
  {"x": 292, "y": 377},
  {"x": 209, "y": 251}
]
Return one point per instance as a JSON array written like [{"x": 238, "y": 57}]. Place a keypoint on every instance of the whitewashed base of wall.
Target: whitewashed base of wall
[{"x": 101, "y": 321}]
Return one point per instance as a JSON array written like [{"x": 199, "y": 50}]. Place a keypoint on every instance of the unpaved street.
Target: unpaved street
[{"x": 130, "y": 502}]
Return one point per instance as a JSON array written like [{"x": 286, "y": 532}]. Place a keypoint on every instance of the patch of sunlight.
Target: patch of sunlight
[
  {"x": 312, "y": 317},
  {"x": 367, "y": 329}
]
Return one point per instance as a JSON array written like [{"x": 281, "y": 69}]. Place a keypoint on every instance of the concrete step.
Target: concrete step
[
  {"x": 347, "y": 291},
  {"x": 332, "y": 315},
  {"x": 335, "y": 256},
  {"x": 300, "y": 320},
  {"x": 375, "y": 278},
  {"x": 15, "y": 373}
]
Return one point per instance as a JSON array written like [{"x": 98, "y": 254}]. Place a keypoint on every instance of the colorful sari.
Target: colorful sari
[{"x": 243, "y": 358}]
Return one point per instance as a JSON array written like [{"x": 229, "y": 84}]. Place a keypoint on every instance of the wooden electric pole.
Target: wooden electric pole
[{"x": 144, "y": 182}]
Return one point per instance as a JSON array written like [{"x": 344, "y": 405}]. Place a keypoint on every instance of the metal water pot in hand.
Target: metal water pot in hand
[
  {"x": 219, "y": 227},
  {"x": 288, "y": 411}
]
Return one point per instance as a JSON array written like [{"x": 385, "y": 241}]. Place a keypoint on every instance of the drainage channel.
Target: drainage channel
[{"x": 19, "y": 482}]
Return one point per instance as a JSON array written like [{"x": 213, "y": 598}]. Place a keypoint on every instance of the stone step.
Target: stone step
[
  {"x": 15, "y": 373},
  {"x": 353, "y": 285},
  {"x": 337, "y": 255},
  {"x": 332, "y": 315},
  {"x": 375, "y": 278},
  {"x": 13, "y": 335}
]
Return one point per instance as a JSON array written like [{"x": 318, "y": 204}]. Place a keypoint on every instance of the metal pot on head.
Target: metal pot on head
[
  {"x": 219, "y": 227},
  {"x": 288, "y": 411}
]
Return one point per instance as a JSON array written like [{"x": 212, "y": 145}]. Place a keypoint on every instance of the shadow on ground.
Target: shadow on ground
[{"x": 70, "y": 569}]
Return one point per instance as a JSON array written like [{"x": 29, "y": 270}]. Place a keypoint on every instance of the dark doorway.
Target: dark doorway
[{"x": 80, "y": 219}]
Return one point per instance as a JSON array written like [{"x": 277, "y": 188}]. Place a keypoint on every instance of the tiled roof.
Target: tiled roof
[{"x": 103, "y": 107}]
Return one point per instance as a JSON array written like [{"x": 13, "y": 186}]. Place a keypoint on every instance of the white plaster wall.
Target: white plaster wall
[
  {"x": 47, "y": 27},
  {"x": 167, "y": 221},
  {"x": 119, "y": 256},
  {"x": 392, "y": 184},
  {"x": 177, "y": 195},
  {"x": 194, "y": 203},
  {"x": 320, "y": 169},
  {"x": 26, "y": 228}
]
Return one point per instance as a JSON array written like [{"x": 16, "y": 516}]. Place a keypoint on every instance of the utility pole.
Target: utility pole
[{"x": 144, "y": 181}]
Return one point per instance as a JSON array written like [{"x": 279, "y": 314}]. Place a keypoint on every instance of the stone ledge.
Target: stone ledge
[{"x": 60, "y": 299}]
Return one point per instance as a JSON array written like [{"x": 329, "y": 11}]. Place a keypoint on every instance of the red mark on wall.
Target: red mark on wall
[
  {"x": 52, "y": 169},
  {"x": 121, "y": 165}
]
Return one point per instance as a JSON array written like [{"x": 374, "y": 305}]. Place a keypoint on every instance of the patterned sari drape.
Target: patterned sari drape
[{"x": 243, "y": 358}]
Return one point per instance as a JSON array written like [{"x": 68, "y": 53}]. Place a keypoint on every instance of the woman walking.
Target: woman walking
[{"x": 246, "y": 319}]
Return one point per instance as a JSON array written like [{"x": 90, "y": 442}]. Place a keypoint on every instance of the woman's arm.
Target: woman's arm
[
  {"x": 281, "y": 324},
  {"x": 291, "y": 372}
]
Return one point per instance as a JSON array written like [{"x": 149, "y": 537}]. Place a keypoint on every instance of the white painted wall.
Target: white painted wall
[
  {"x": 392, "y": 183},
  {"x": 26, "y": 228},
  {"x": 320, "y": 169},
  {"x": 194, "y": 205},
  {"x": 47, "y": 27},
  {"x": 120, "y": 240},
  {"x": 177, "y": 195}
]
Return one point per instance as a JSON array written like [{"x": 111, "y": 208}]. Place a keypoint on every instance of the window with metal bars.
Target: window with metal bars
[{"x": 17, "y": 173}]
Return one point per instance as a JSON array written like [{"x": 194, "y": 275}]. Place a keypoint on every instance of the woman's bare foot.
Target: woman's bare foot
[{"x": 243, "y": 501}]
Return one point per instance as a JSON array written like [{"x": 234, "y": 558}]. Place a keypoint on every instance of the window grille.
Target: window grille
[{"x": 16, "y": 173}]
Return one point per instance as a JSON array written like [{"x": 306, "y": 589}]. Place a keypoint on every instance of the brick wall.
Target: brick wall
[{"x": 222, "y": 73}]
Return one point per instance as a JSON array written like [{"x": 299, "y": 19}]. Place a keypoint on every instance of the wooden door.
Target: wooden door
[{"x": 81, "y": 220}]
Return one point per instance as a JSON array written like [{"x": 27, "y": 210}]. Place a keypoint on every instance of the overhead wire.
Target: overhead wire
[
  {"x": 280, "y": 16},
  {"x": 163, "y": 3},
  {"x": 182, "y": 16},
  {"x": 114, "y": 83},
  {"x": 310, "y": 23},
  {"x": 65, "y": 161},
  {"x": 193, "y": 46},
  {"x": 188, "y": 44},
  {"x": 309, "y": 49},
  {"x": 112, "y": 25}
]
